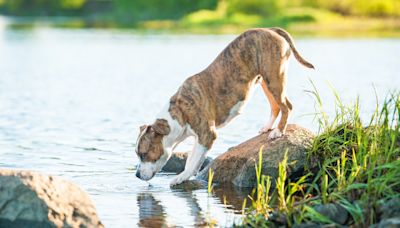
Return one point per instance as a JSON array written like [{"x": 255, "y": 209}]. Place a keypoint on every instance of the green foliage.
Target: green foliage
[
  {"x": 358, "y": 7},
  {"x": 141, "y": 10},
  {"x": 121, "y": 10},
  {"x": 256, "y": 7},
  {"x": 357, "y": 167},
  {"x": 41, "y": 7},
  {"x": 222, "y": 16},
  {"x": 72, "y": 4}
]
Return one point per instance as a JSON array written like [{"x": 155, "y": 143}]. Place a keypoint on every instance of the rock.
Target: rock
[
  {"x": 237, "y": 164},
  {"x": 30, "y": 199},
  {"x": 334, "y": 212},
  {"x": 388, "y": 223},
  {"x": 176, "y": 164},
  {"x": 308, "y": 225},
  {"x": 191, "y": 185},
  {"x": 389, "y": 209}
]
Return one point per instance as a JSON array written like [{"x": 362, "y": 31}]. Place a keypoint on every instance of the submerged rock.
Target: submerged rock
[
  {"x": 176, "y": 164},
  {"x": 237, "y": 164},
  {"x": 30, "y": 199},
  {"x": 191, "y": 185}
]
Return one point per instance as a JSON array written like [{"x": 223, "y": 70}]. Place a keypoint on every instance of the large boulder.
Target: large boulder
[
  {"x": 237, "y": 165},
  {"x": 177, "y": 162},
  {"x": 30, "y": 199}
]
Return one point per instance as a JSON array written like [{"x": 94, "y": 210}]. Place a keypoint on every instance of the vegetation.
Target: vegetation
[
  {"x": 219, "y": 16},
  {"x": 353, "y": 165}
]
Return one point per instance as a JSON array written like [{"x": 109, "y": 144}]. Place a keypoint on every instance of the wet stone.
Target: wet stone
[
  {"x": 176, "y": 164},
  {"x": 191, "y": 185}
]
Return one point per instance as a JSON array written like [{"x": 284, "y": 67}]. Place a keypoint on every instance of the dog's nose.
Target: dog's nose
[{"x": 138, "y": 174}]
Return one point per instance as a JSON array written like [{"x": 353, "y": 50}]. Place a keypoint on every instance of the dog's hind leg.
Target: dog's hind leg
[
  {"x": 275, "y": 83},
  {"x": 285, "y": 107},
  {"x": 274, "y": 108}
]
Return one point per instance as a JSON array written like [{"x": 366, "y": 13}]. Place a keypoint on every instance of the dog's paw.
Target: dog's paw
[
  {"x": 276, "y": 133},
  {"x": 264, "y": 130},
  {"x": 178, "y": 180}
]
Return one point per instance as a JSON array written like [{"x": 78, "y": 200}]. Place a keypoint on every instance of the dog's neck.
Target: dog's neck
[{"x": 177, "y": 132}]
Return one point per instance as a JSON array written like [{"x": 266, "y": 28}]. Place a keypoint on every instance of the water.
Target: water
[{"x": 72, "y": 101}]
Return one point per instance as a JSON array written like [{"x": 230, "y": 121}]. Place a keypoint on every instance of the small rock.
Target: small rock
[
  {"x": 388, "y": 223},
  {"x": 176, "y": 164},
  {"x": 237, "y": 164},
  {"x": 191, "y": 185},
  {"x": 278, "y": 219},
  {"x": 308, "y": 225},
  {"x": 389, "y": 209},
  {"x": 30, "y": 199},
  {"x": 334, "y": 212}
]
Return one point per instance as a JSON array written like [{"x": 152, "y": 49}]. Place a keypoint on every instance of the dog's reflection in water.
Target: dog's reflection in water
[{"x": 151, "y": 212}]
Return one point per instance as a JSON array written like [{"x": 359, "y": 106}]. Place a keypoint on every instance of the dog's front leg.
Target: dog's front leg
[{"x": 193, "y": 163}]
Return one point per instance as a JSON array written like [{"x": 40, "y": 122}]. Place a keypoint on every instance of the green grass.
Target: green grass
[{"x": 355, "y": 164}]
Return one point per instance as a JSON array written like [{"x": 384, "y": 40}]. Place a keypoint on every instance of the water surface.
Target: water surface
[{"x": 72, "y": 101}]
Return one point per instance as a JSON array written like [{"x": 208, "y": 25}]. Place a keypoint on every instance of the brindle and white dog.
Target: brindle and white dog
[{"x": 210, "y": 99}]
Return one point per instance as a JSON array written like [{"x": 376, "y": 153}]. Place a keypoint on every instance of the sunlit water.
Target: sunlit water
[{"x": 71, "y": 103}]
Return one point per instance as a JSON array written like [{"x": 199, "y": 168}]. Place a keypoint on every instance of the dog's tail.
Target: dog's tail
[{"x": 289, "y": 39}]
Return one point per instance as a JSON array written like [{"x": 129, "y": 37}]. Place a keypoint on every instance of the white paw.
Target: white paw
[
  {"x": 276, "y": 133},
  {"x": 178, "y": 179},
  {"x": 264, "y": 129}
]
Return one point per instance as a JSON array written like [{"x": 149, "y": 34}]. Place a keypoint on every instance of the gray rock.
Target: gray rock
[
  {"x": 334, "y": 212},
  {"x": 308, "y": 225},
  {"x": 388, "y": 223},
  {"x": 30, "y": 199},
  {"x": 389, "y": 209},
  {"x": 191, "y": 185},
  {"x": 237, "y": 164},
  {"x": 176, "y": 164}
]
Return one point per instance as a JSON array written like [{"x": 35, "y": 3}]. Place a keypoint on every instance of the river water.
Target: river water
[{"x": 72, "y": 101}]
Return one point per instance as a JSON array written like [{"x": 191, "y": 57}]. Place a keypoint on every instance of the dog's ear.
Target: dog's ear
[
  {"x": 161, "y": 127},
  {"x": 143, "y": 127}
]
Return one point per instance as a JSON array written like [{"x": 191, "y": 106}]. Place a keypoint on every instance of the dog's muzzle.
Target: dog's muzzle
[{"x": 144, "y": 174}]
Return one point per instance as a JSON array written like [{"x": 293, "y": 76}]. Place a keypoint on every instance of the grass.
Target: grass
[
  {"x": 210, "y": 181},
  {"x": 355, "y": 165}
]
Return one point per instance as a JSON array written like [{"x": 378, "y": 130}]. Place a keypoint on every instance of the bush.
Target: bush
[
  {"x": 256, "y": 7},
  {"x": 358, "y": 7}
]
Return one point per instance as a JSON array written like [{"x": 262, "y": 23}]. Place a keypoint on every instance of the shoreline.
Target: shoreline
[{"x": 343, "y": 28}]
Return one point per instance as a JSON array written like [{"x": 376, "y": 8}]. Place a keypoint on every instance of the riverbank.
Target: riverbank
[{"x": 302, "y": 21}]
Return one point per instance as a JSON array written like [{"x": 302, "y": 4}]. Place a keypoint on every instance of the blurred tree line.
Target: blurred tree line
[
  {"x": 376, "y": 8},
  {"x": 124, "y": 10},
  {"x": 130, "y": 11}
]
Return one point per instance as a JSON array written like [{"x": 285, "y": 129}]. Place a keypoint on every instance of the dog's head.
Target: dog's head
[{"x": 150, "y": 149}]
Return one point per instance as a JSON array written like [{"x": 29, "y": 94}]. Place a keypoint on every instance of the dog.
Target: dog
[{"x": 212, "y": 98}]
